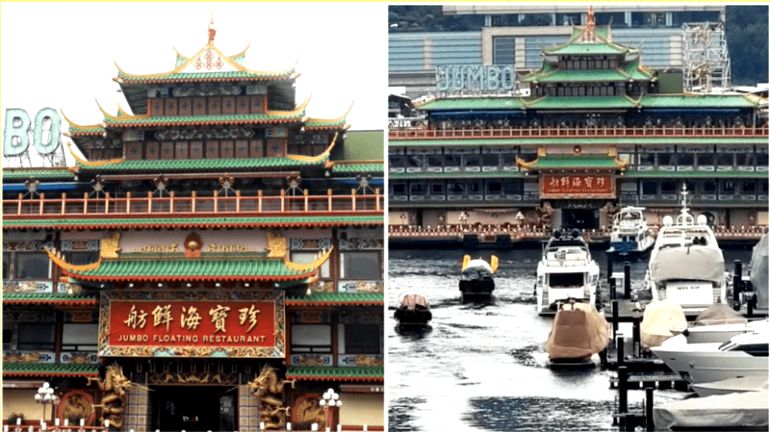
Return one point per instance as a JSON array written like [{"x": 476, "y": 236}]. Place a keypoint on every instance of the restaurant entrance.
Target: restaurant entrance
[{"x": 193, "y": 408}]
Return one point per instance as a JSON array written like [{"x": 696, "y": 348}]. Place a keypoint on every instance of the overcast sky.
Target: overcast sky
[{"x": 61, "y": 55}]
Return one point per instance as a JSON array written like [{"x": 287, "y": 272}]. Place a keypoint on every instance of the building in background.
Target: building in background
[
  {"x": 504, "y": 34},
  {"x": 592, "y": 129},
  {"x": 213, "y": 261}
]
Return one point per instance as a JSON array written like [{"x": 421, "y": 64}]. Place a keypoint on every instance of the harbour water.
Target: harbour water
[{"x": 483, "y": 366}]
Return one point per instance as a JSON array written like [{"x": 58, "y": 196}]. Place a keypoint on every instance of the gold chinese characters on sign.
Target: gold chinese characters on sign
[{"x": 577, "y": 186}]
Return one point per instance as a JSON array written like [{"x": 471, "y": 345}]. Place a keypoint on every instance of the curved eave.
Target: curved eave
[
  {"x": 107, "y": 278},
  {"x": 227, "y": 119},
  {"x": 299, "y": 303},
  {"x": 121, "y": 222},
  {"x": 56, "y": 302},
  {"x": 337, "y": 299}
]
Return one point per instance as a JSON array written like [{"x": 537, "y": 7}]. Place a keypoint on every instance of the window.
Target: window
[
  {"x": 6, "y": 266},
  {"x": 311, "y": 338},
  {"x": 305, "y": 258},
  {"x": 668, "y": 187},
  {"x": 726, "y": 159},
  {"x": 503, "y": 50},
  {"x": 362, "y": 339},
  {"x": 34, "y": 336},
  {"x": 360, "y": 265},
  {"x": 33, "y": 266},
  {"x": 81, "y": 258},
  {"x": 81, "y": 337},
  {"x": 7, "y": 336},
  {"x": 649, "y": 187}
]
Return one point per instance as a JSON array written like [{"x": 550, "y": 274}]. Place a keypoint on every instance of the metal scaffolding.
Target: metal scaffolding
[{"x": 706, "y": 58}]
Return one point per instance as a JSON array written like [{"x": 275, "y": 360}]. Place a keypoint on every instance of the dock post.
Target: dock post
[
  {"x": 615, "y": 319},
  {"x": 613, "y": 290},
  {"x": 648, "y": 409},
  {"x": 627, "y": 278},
  {"x": 620, "y": 351},
  {"x": 623, "y": 395},
  {"x": 637, "y": 336},
  {"x": 737, "y": 285},
  {"x": 609, "y": 267}
]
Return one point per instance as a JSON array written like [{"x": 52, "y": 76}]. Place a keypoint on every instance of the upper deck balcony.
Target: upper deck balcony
[
  {"x": 236, "y": 205},
  {"x": 580, "y": 132}
]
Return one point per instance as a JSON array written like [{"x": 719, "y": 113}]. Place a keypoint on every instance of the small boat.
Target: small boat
[
  {"x": 630, "y": 233},
  {"x": 477, "y": 277},
  {"x": 686, "y": 264},
  {"x": 729, "y": 386},
  {"x": 578, "y": 333},
  {"x": 744, "y": 355},
  {"x": 745, "y": 411},
  {"x": 759, "y": 273},
  {"x": 565, "y": 271},
  {"x": 413, "y": 310},
  {"x": 717, "y": 324},
  {"x": 662, "y": 320}
]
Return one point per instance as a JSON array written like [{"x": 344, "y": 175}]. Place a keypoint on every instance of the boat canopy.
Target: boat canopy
[
  {"x": 662, "y": 320},
  {"x": 578, "y": 331},
  {"x": 758, "y": 268},
  {"x": 744, "y": 410},
  {"x": 688, "y": 263},
  {"x": 720, "y": 314},
  {"x": 412, "y": 301}
]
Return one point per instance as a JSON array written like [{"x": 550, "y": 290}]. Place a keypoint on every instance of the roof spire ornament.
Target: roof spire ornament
[
  {"x": 589, "y": 35},
  {"x": 212, "y": 30}
]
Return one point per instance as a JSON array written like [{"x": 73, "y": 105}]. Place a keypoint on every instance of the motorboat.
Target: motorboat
[
  {"x": 759, "y": 272},
  {"x": 630, "y": 233},
  {"x": 413, "y": 310},
  {"x": 578, "y": 333},
  {"x": 729, "y": 386},
  {"x": 745, "y": 411},
  {"x": 717, "y": 324},
  {"x": 565, "y": 271},
  {"x": 477, "y": 277},
  {"x": 686, "y": 263},
  {"x": 744, "y": 355}
]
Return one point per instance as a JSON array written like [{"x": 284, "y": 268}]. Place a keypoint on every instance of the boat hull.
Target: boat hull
[
  {"x": 413, "y": 318},
  {"x": 477, "y": 287}
]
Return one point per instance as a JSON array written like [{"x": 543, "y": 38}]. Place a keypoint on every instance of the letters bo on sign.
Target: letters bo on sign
[{"x": 45, "y": 131}]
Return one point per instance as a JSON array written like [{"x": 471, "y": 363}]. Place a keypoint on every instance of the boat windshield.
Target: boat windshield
[{"x": 572, "y": 279}]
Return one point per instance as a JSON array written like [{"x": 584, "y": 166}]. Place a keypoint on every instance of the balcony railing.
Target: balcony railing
[
  {"x": 237, "y": 204},
  {"x": 581, "y": 132}
]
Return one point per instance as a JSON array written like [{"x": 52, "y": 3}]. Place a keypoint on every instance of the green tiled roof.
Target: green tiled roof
[
  {"x": 88, "y": 130},
  {"x": 590, "y": 48},
  {"x": 474, "y": 103},
  {"x": 204, "y": 164},
  {"x": 55, "y": 298},
  {"x": 574, "y": 102},
  {"x": 338, "y": 298},
  {"x": 201, "y": 119},
  {"x": 697, "y": 173},
  {"x": 40, "y": 369},
  {"x": 593, "y": 102},
  {"x": 629, "y": 71},
  {"x": 229, "y": 222},
  {"x": 457, "y": 174},
  {"x": 316, "y": 124},
  {"x": 359, "y": 168},
  {"x": 697, "y": 101},
  {"x": 46, "y": 173},
  {"x": 569, "y": 161},
  {"x": 183, "y": 76},
  {"x": 336, "y": 373},
  {"x": 185, "y": 269},
  {"x": 620, "y": 141}
]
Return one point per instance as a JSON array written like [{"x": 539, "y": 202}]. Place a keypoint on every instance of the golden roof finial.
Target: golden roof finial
[
  {"x": 591, "y": 16},
  {"x": 212, "y": 30}
]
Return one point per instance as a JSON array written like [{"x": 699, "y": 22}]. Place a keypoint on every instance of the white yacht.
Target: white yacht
[
  {"x": 630, "y": 233},
  {"x": 565, "y": 271},
  {"x": 686, "y": 264},
  {"x": 744, "y": 355}
]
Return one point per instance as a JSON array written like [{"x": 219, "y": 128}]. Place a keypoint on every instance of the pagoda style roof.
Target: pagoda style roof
[
  {"x": 659, "y": 100},
  {"x": 356, "y": 167},
  {"x": 121, "y": 222},
  {"x": 631, "y": 71},
  {"x": 696, "y": 174},
  {"x": 316, "y": 299},
  {"x": 497, "y": 174},
  {"x": 208, "y": 64},
  {"x": 178, "y": 267},
  {"x": 590, "y": 40},
  {"x": 76, "y": 130},
  {"x": 124, "y": 119},
  {"x": 567, "y": 162},
  {"x": 34, "y": 369},
  {"x": 58, "y": 298},
  {"x": 229, "y": 164},
  {"x": 356, "y": 374},
  {"x": 39, "y": 173},
  {"x": 314, "y": 124}
]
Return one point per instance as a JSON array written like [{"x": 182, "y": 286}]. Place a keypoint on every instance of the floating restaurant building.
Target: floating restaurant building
[
  {"x": 213, "y": 261},
  {"x": 569, "y": 144}
]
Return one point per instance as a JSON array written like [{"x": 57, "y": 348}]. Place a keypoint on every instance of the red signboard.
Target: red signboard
[
  {"x": 143, "y": 326},
  {"x": 577, "y": 186}
]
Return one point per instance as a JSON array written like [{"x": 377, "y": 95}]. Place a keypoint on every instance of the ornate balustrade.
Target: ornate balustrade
[
  {"x": 236, "y": 204},
  {"x": 580, "y": 132}
]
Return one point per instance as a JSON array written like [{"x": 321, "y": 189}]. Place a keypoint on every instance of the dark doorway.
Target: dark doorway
[
  {"x": 193, "y": 408},
  {"x": 579, "y": 218}
]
